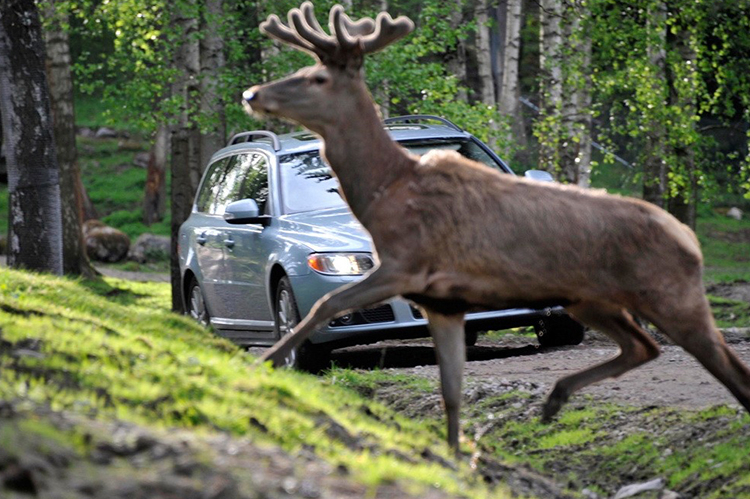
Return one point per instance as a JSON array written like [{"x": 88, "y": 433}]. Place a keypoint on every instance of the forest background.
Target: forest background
[{"x": 650, "y": 97}]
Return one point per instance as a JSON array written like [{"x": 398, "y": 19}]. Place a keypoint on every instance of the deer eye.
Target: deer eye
[{"x": 319, "y": 79}]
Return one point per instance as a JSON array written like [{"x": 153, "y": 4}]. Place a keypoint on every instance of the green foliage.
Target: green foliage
[
  {"x": 115, "y": 185},
  {"x": 112, "y": 349},
  {"x": 661, "y": 76}
]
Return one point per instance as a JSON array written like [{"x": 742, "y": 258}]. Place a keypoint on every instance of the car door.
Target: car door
[
  {"x": 245, "y": 248},
  {"x": 207, "y": 235}
]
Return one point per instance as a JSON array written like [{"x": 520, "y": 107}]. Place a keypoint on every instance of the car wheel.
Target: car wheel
[
  {"x": 470, "y": 338},
  {"x": 559, "y": 330},
  {"x": 196, "y": 304},
  {"x": 308, "y": 356}
]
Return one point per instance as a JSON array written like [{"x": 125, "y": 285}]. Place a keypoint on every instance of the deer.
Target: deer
[{"x": 451, "y": 235}]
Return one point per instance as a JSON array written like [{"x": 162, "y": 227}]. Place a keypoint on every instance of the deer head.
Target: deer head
[{"x": 319, "y": 95}]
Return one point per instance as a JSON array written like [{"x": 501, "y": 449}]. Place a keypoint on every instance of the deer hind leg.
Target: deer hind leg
[
  {"x": 448, "y": 335},
  {"x": 690, "y": 324},
  {"x": 375, "y": 287},
  {"x": 636, "y": 348}
]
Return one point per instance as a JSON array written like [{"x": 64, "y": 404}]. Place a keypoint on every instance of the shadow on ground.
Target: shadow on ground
[{"x": 399, "y": 355}]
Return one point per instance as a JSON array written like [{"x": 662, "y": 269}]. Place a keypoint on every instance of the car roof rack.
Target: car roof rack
[
  {"x": 422, "y": 117},
  {"x": 248, "y": 137}
]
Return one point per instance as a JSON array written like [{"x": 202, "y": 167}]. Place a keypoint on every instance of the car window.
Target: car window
[
  {"x": 307, "y": 182},
  {"x": 466, "y": 147},
  {"x": 231, "y": 179},
  {"x": 252, "y": 180},
  {"x": 214, "y": 180}
]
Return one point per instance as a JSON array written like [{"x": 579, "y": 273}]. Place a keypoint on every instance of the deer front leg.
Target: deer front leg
[
  {"x": 380, "y": 285},
  {"x": 448, "y": 335}
]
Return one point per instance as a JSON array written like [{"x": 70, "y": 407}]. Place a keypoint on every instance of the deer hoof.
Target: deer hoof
[
  {"x": 277, "y": 358},
  {"x": 553, "y": 405}
]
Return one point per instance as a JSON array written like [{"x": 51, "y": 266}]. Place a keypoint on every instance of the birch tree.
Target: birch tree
[
  {"x": 35, "y": 228},
  {"x": 484, "y": 54},
  {"x": 654, "y": 158},
  {"x": 575, "y": 144},
  {"x": 550, "y": 62},
  {"x": 72, "y": 192},
  {"x": 509, "y": 89}
]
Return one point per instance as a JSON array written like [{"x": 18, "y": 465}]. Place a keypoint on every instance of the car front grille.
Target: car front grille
[
  {"x": 416, "y": 313},
  {"x": 382, "y": 313}
]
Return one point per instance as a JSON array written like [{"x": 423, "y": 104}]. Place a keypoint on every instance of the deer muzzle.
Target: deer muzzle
[{"x": 253, "y": 101}]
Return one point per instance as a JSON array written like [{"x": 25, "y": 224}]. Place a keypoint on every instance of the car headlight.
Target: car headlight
[{"x": 340, "y": 263}]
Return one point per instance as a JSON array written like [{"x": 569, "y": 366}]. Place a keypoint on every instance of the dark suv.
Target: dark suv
[{"x": 254, "y": 280}]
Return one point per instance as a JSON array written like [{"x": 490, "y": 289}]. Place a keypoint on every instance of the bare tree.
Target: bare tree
[
  {"x": 35, "y": 228},
  {"x": 72, "y": 192}
]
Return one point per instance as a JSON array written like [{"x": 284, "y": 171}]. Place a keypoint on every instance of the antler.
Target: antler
[{"x": 350, "y": 40}]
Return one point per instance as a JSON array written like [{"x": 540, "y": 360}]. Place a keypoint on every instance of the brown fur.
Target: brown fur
[{"x": 451, "y": 233}]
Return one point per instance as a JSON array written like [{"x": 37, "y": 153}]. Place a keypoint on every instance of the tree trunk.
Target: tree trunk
[
  {"x": 550, "y": 55},
  {"x": 509, "y": 89},
  {"x": 211, "y": 62},
  {"x": 182, "y": 201},
  {"x": 682, "y": 96},
  {"x": 155, "y": 195},
  {"x": 456, "y": 62},
  {"x": 35, "y": 226},
  {"x": 484, "y": 54},
  {"x": 575, "y": 144},
  {"x": 72, "y": 193},
  {"x": 654, "y": 169},
  {"x": 186, "y": 142}
]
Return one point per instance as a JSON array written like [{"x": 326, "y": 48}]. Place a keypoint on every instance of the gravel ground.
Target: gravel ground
[{"x": 674, "y": 379}]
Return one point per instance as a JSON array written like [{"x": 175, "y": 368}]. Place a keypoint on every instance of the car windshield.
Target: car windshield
[{"x": 307, "y": 183}]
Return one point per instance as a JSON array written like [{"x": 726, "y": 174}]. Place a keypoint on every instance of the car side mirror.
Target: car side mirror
[
  {"x": 245, "y": 211},
  {"x": 539, "y": 175}
]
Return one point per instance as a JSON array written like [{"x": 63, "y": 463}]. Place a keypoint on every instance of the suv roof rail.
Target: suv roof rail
[
  {"x": 422, "y": 117},
  {"x": 275, "y": 142}
]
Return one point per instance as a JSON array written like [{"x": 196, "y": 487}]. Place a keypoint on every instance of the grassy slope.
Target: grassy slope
[{"x": 112, "y": 350}]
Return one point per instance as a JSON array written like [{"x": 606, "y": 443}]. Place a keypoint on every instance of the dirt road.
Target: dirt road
[{"x": 674, "y": 379}]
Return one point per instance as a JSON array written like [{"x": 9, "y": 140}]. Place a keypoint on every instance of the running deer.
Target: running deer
[{"x": 452, "y": 234}]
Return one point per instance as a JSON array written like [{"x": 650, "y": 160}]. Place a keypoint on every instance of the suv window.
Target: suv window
[
  {"x": 212, "y": 185},
  {"x": 307, "y": 182},
  {"x": 231, "y": 179}
]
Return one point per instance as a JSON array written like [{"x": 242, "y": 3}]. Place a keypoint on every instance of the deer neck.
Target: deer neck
[{"x": 364, "y": 157}]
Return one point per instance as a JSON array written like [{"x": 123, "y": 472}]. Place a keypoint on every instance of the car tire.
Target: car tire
[
  {"x": 306, "y": 357},
  {"x": 559, "y": 330},
  {"x": 196, "y": 303},
  {"x": 470, "y": 338}
]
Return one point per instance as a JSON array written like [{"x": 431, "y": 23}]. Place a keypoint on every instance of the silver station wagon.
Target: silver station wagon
[{"x": 269, "y": 235}]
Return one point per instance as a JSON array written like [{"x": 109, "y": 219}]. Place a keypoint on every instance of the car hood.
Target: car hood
[{"x": 326, "y": 230}]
